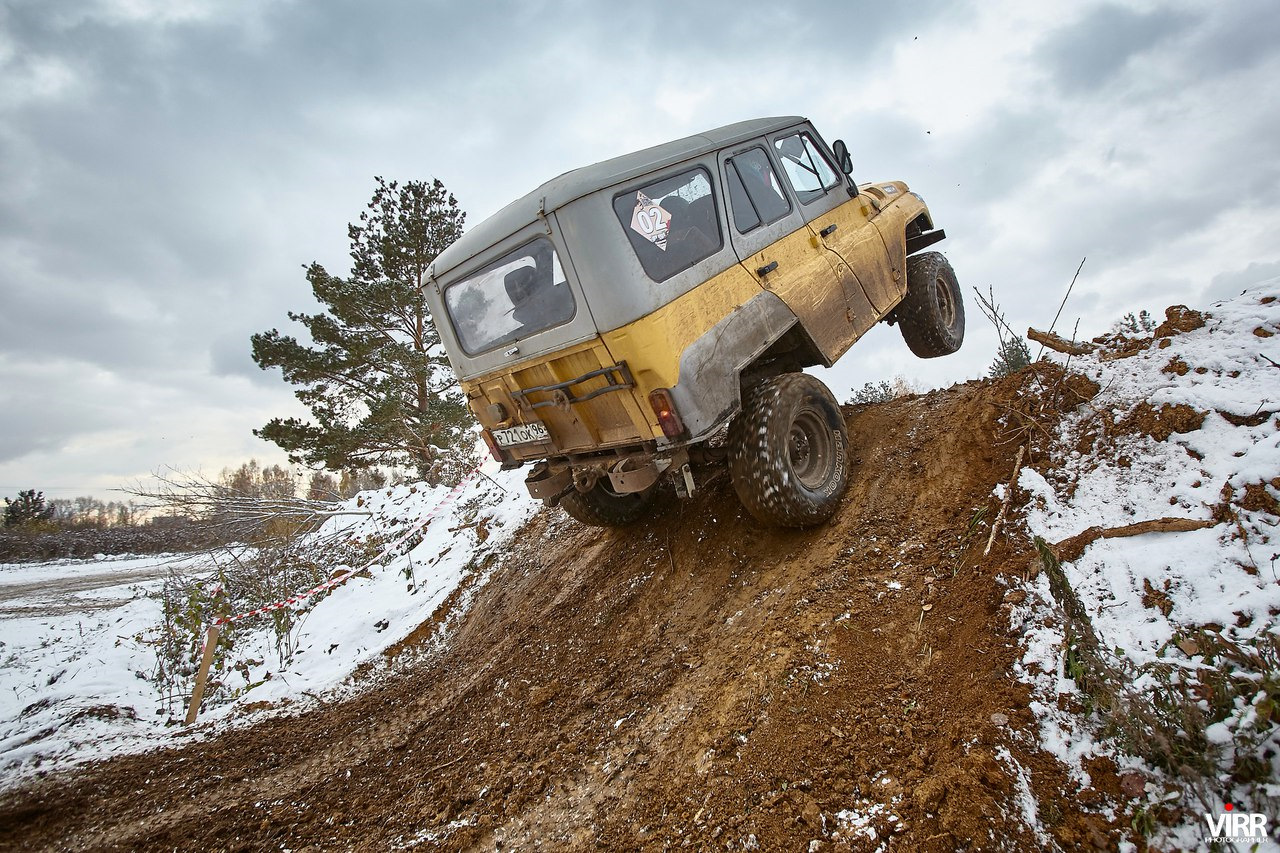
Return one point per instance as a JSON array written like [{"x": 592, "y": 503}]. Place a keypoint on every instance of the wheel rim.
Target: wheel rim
[
  {"x": 809, "y": 449},
  {"x": 946, "y": 302}
]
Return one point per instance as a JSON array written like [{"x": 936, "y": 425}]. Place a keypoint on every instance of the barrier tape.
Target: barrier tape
[{"x": 345, "y": 576}]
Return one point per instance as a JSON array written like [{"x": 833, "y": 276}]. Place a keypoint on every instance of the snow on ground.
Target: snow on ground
[
  {"x": 1148, "y": 595},
  {"x": 75, "y": 661},
  {"x": 69, "y": 662}
]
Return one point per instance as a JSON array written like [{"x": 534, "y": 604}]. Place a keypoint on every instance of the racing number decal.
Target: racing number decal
[{"x": 650, "y": 221}]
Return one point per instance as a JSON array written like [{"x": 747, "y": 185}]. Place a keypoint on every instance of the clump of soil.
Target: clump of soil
[
  {"x": 1257, "y": 498},
  {"x": 1157, "y": 599},
  {"x": 1179, "y": 319},
  {"x": 1161, "y": 423}
]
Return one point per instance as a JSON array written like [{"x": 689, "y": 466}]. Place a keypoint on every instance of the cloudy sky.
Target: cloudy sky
[{"x": 168, "y": 166}]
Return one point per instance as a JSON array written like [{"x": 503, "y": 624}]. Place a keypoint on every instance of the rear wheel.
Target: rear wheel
[
  {"x": 603, "y": 507},
  {"x": 931, "y": 316},
  {"x": 787, "y": 453}
]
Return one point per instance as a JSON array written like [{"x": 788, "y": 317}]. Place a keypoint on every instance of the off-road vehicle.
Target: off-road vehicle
[{"x": 609, "y": 324}]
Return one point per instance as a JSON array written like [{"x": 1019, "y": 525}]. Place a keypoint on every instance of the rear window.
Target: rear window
[
  {"x": 521, "y": 294},
  {"x": 671, "y": 223}
]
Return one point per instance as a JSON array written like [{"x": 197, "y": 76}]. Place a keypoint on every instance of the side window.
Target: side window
[
  {"x": 806, "y": 167},
  {"x": 671, "y": 223},
  {"x": 755, "y": 195}
]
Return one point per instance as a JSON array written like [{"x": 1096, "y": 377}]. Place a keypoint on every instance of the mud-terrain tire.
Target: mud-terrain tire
[
  {"x": 931, "y": 316},
  {"x": 787, "y": 451},
  {"x": 603, "y": 507}
]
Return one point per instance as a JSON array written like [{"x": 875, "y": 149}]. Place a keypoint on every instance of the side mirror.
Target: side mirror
[{"x": 842, "y": 157}]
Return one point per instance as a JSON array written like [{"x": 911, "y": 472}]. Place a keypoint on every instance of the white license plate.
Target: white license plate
[{"x": 522, "y": 434}]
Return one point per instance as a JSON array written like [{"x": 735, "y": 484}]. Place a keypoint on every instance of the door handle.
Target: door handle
[
  {"x": 767, "y": 268},
  {"x": 829, "y": 230}
]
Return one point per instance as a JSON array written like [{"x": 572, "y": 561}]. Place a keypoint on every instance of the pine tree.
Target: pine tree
[
  {"x": 1012, "y": 356},
  {"x": 27, "y": 508},
  {"x": 376, "y": 381}
]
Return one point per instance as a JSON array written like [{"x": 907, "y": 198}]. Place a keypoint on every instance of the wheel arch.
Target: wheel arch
[{"x": 747, "y": 344}]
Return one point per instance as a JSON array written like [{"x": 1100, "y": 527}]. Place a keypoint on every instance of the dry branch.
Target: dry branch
[
  {"x": 1004, "y": 505},
  {"x": 216, "y": 506},
  {"x": 1059, "y": 343},
  {"x": 1071, "y": 549}
]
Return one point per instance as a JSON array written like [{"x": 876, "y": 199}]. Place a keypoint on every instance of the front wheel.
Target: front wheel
[
  {"x": 603, "y": 507},
  {"x": 787, "y": 451},
  {"x": 931, "y": 316}
]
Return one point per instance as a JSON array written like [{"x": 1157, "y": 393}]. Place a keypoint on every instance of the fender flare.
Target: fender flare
[{"x": 709, "y": 392}]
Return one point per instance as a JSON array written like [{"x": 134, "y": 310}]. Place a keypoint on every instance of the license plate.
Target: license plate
[{"x": 522, "y": 434}]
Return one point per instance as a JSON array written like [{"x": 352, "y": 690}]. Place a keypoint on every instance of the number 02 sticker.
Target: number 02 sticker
[{"x": 650, "y": 221}]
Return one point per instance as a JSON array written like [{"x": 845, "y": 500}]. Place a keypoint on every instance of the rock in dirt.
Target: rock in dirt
[{"x": 1133, "y": 784}]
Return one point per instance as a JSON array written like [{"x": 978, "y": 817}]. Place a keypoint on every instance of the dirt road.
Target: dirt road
[
  {"x": 82, "y": 590},
  {"x": 694, "y": 681}
]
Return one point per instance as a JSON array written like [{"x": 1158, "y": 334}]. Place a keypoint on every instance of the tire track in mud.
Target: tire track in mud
[{"x": 691, "y": 681}]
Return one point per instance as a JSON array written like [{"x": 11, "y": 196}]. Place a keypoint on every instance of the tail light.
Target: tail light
[
  {"x": 494, "y": 450},
  {"x": 665, "y": 408}
]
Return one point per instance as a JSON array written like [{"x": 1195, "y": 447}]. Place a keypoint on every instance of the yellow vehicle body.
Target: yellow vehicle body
[
  {"x": 609, "y": 324},
  {"x": 834, "y": 305}
]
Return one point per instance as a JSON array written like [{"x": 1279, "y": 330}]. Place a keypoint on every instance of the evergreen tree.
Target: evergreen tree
[
  {"x": 376, "y": 380},
  {"x": 28, "y": 507},
  {"x": 872, "y": 392},
  {"x": 1012, "y": 356}
]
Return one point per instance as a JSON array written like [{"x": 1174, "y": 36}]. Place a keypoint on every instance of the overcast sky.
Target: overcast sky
[{"x": 168, "y": 166}]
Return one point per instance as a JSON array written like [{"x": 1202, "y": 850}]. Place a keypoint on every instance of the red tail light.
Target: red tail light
[{"x": 665, "y": 408}]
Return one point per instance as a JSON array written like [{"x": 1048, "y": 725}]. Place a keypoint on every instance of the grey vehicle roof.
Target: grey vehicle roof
[{"x": 561, "y": 190}]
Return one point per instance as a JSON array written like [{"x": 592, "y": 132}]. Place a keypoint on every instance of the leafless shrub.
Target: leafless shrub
[{"x": 265, "y": 550}]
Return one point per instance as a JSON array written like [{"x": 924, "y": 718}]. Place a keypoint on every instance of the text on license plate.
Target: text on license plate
[{"x": 522, "y": 434}]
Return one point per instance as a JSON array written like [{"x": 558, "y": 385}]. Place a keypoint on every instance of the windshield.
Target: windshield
[
  {"x": 519, "y": 295},
  {"x": 806, "y": 167}
]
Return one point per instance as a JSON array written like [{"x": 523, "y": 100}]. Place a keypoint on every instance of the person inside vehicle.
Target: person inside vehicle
[
  {"x": 686, "y": 242},
  {"x": 538, "y": 301}
]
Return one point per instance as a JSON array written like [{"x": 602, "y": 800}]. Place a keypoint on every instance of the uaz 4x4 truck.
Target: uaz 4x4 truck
[{"x": 609, "y": 324}]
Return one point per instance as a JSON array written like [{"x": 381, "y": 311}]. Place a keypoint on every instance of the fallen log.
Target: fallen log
[
  {"x": 1071, "y": 549},
  {"x": 1058, "y": 343}
]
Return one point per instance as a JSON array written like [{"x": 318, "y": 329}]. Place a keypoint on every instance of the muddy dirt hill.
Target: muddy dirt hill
[{"x": 694, "y": 681}]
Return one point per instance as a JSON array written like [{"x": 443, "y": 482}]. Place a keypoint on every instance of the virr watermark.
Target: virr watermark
[{"x": 1230, "y": 825}]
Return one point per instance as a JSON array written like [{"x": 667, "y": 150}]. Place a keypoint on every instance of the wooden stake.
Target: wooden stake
[{"x": 197, "y": 693}]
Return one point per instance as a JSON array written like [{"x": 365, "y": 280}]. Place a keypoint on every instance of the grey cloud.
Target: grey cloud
[
  {"x": 230, "y": 354},
  {"x": 155, "y": 211},
  {"x": 1086, "y": 55},
  {"x": 39, "y": 412},
  {"x": 1240, "y": 34},
  {"x": 1228, "y": 284}
]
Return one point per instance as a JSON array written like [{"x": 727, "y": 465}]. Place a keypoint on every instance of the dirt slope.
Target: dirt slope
[{"x": 693, "y": 681}]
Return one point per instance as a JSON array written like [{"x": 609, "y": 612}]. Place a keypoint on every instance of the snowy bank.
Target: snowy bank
[
  {"x": 78, "y": 664},
  {"x": 1184, "y": 426}
]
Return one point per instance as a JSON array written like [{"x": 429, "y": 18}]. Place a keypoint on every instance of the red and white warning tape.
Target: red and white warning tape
[{"x": 338, "y": 579}]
